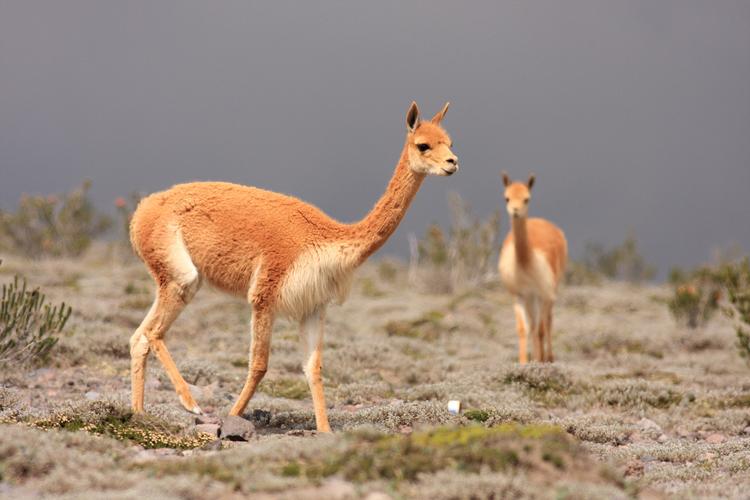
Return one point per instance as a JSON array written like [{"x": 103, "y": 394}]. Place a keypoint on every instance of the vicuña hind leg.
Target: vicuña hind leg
[
  {"x": 262, "y": 325},
  {"x": 547, "y": 332},
  {"x": 523, "y": 348},
  {"x": 170, "y": 300},
  {"x": 312, "y": 337}
]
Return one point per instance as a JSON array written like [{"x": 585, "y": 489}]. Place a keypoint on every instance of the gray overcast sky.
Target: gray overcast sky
[{"x": 632, "y": 113}]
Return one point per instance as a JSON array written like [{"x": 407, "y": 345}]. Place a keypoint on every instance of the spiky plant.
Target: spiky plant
[
  {"x": 29, "y": 325},
  {"x": 735, "y": 278}
]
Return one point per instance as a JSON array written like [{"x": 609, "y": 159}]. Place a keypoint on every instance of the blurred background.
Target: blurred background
[{"x": 634, "y": 115}]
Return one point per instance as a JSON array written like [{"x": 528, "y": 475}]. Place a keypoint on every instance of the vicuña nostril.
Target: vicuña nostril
[{"x": 451, "y": 161}]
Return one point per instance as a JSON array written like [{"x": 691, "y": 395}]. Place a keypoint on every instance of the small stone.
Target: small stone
[
  {"x": 708, "y": 456},
  {"x": 92, "y": 395},
  {"x": 716, "y": 438},
  {"x": 236, "y": 428},
  {"x": 746, "y": 430},
  {"x": 662, "y": 439},
  {"x": 212, "y": 429},
  {"x": 405, "y": 429}
]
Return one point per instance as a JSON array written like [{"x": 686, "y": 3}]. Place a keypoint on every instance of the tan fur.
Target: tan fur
[
  {"x": 285, "y": 256},
  {"x": 532, "y": 264}
]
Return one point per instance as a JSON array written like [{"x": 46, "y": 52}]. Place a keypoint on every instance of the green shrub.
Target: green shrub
[
  {"x": 460, "y": 258},
  {"x": 695, "y": 297},
  {"x": 28, "y": 324},
  {"x": 52, "y": 225},
  {"x": 735, "y": 278},
  {"x": 623, "y": 262}
]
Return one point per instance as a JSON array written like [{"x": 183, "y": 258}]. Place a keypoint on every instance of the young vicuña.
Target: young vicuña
[
  {"x": 532, "y": 264},
  {"x": 284, "y": 256}
]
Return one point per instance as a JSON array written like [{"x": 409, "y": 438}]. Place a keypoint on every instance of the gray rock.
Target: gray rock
[
  {"x": 92, "y": 395},
  {"x": 236, "y": 428},
  {"x": 213, "y": 429}
]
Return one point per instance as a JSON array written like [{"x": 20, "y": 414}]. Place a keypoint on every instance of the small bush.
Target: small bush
[
  {"x": 735, "y": 278},
  {"x": 695, "y": 297},
  {"x": 52, "y": 225},
  {"x": 623, "y": 262},
  {"x": 28, "y": 324},
  {"x": 463, "y": 257}
]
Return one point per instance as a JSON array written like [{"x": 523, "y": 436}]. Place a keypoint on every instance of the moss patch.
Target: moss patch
[
  {"x": 289, "y": 388},
  {"x": 122, "y": 424},
  {"x": 429, "y": 326}
]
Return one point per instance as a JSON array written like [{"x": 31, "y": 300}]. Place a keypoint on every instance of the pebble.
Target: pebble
[
  {"x": 236, "y": 428},
  {"x": 746, "y": 430},
  {"x": 92, "y": 395},
  {"x": 662, "y": 439}
]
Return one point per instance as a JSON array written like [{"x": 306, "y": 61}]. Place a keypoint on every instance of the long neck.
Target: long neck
[
  {"x": 378, "y": 225},
  {"x": 521, "y": 240}
]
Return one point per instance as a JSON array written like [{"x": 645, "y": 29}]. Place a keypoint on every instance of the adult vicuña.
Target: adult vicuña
[
  {"x": 284, "y": 256},
  {"x": 532, "y": 263}
]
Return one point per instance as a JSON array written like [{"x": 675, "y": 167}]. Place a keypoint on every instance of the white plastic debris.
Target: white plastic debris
[{"x": 454, "y": 407}]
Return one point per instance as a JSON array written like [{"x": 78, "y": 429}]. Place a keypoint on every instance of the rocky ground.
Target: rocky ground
[{"x": 635, "y": 406}]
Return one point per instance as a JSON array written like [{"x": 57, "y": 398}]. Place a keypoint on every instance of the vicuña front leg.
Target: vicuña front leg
[
  {"x": 262, "y": 325},
  {"x": 312, "y": 337},
  {"x": 523, "y": 349}
]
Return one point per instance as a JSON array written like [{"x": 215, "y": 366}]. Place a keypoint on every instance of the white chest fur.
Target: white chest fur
[
  {"x": 320, "y": 275},
  {"x": 535, "y": 279}
]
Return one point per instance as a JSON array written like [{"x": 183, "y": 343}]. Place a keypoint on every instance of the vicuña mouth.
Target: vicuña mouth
[{"x": 448, "y": 172}]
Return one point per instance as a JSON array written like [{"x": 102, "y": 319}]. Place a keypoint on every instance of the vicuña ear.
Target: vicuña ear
[
  {"x": 506, "y": 179},
  {"x": 412, "y": 117},
  {"x": 532, "y": 178},
  {"x": 440, "y": 114}
]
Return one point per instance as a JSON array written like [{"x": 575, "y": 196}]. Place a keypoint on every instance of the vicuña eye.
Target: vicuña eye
[
  {"x": 423, "y": 147},
  {"x": 526, "y": 201},
  {"x": 507, "y": 200}
]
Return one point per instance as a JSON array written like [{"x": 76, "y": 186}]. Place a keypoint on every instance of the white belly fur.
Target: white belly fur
[
  {"x": 322, "y": 274},
  {"x": 535, "y": 281}
]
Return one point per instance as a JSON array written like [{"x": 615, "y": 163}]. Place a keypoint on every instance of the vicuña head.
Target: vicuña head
[
  {"x": 429, "y": 146},
  {"x": 532, "y": 264},
  {"x": 518, "y": 195},
  {"x": 284, "y": 256}
]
